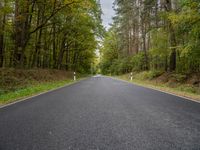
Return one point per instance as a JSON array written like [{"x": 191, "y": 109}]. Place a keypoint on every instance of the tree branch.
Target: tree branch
[{"x": 54, "y": 12}]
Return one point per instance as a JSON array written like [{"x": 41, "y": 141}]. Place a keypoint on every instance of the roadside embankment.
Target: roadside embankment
[
  {"x": 182, "y": 85},
  {"x": 16, "y": 84}
]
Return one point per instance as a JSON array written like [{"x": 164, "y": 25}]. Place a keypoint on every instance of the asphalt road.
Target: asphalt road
[{"x": 101, "y": 113}]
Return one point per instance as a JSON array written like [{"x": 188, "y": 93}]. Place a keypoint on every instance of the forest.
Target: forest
[
  {"x": 158, "y": 35},
  {"x": 49, "y": 34},
  {"x": 161, "y": 35}
]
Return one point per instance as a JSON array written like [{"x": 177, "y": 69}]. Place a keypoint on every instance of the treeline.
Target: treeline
[
  {"x": 57, "y": 34},
  {"x": 159, "y": 35}
]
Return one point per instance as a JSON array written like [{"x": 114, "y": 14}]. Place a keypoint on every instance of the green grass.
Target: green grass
[
  {"x": 184, "y": 90},
  {"x": 31, "y": 90}
]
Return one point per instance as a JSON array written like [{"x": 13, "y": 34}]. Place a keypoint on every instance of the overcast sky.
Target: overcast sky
[{"x": 108, "y": 12}]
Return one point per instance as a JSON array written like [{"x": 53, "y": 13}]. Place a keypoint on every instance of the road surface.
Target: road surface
[{"x": 101, "y": 113}]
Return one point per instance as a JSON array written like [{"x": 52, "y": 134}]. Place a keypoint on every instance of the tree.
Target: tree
[
  {"x": 49, "y": 33},
  {"x": 155, "y": 35}
]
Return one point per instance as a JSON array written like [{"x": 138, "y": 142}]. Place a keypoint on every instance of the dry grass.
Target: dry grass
[
  {"x": 186, "y": 86},
  {"x": 14, "y": 79},
  {"x": 16, "y": 84}
]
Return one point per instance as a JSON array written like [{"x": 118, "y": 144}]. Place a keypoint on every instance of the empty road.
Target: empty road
[{"x": 101, "y": 113}]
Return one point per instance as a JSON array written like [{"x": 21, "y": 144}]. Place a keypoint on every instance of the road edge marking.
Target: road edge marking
[
  {"x": 42, "y": 93},
  {"x": 186, "y": 98}
]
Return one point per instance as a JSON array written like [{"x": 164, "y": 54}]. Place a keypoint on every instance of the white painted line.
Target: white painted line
[
  {"x": 186, "y": 98},
  {"x": 25, "y": 99}
]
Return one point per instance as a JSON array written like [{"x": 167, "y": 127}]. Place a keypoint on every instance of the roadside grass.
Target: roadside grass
[
  {"x": 12, "y": 96},
  {"x": 180, "y": 89},
  {"x": 17, "y": 84}
]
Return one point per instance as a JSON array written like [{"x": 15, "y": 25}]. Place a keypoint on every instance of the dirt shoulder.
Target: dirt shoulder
[{"x": 187, "y": 86}]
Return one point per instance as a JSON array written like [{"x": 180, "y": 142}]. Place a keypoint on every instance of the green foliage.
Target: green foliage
[
  {"x": 159, "y": 42},
  {"x": 148, "y": 75},
  {"x": 187, "y": 25},
  {"x": 109, "y": 53},
  {"x": 148, "y": 38},
  {"x": 49, "y": 34},
  {"x": 120, "y": 66},
  {"x": 180, "y": 77},
  {"x": 138, "y": 61},
  {"x": 31, "y": 90}
]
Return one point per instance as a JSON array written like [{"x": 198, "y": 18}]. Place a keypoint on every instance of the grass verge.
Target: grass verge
[
  {"x": 183, "y": 90},
  {"x": 12, "y": 96}
]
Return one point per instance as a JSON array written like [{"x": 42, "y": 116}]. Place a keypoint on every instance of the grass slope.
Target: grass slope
[
  {"x": 188, "y": 87},
  {"x": 17, "y": 84},
  {"x": 30, "y": 91}
]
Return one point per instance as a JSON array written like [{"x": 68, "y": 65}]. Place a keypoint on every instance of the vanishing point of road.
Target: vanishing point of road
[{"x": 101, "y": 113}]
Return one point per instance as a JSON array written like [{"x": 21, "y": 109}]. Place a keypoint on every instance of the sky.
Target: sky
[{"x": 108, "y": 12}]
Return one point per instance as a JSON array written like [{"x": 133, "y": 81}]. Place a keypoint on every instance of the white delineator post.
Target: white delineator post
[
  {"x": 74, "y": 76},
  {"x": 131, "y": 76}
]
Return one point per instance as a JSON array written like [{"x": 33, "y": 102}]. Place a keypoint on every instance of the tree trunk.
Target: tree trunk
[
  {"x": 172, "y": 64},
  {"x": 23, "y": 20},
  {"x": 62, "y": 49},
  {"x": 38, "y": 38},
  {"x": 67, "y": 58},
  {"x": 54, "y": 45},
  {"x": 2, "y": 26}
]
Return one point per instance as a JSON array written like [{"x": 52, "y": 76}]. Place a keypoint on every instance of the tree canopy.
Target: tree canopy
[
  {"x": 153, "y": 35},
  {"x": 57, "y": 34}
]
